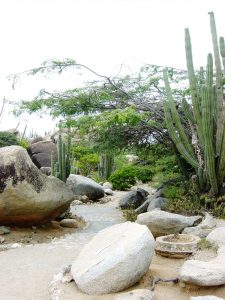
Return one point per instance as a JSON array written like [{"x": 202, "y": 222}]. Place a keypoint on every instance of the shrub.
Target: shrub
[
  {"x": 24, "y": 143},
  {"x": 124, "y": 178},
  {"x": 7, "y": 139},
  {"x": 88, "y": 163},
  {"x": 173, "y": 192}
]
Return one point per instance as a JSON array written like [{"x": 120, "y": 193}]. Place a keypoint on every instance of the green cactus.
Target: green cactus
[
  {"x": 61, "y": 168},
  {"x": 105, "y": 167},
  {"x": 206, "y": 116}
]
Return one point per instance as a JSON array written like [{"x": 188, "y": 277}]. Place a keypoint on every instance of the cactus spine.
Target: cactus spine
[{"x": 206, "y": 116}]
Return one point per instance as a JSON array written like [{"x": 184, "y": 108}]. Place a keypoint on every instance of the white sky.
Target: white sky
[{"x": 101, "y": 34}]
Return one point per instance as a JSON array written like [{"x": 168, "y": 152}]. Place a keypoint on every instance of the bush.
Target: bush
[
  {"x": 7, "y": 139},
  {"x": 173, "y": 192},
  {"x": 24, "y": 143},
  {"x": 88, "y": 164},
  {"x": 124, "y": 178}
]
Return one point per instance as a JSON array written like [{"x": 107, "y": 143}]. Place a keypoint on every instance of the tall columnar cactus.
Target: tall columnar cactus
[
  {"x": 61, "y": 168},
  {"x": 105, "y": 166},
  {"x": 206, "y": 117}
]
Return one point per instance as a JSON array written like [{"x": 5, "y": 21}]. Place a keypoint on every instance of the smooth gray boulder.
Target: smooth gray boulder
[
  {"x": 162, "y": 223},
  {"x": 144, "y": 206},
  {"x": 133, "y": 199},
  {"x": 217, "y": 236},
  {"x": 205, "y": 273},
  {"x": 115, "y": 259},
  {"x": 159, "y": 202},
  {"x": 138, "y": 294},
  {"x": 81, "y": 185},
  {"x": 27, "y": 196}
]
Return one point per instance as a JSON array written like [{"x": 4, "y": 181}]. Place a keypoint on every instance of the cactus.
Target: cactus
[
  {"x": 105, "y": 166},
  {"x": 206, "y": 117},
  {"x": 61, "y": 168}
]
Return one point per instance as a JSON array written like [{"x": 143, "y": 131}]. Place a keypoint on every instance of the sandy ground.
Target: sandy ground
[{"x": 26, "y": 272}]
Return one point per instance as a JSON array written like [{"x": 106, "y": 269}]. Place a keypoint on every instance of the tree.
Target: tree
[{"x": 115, "y": 102}]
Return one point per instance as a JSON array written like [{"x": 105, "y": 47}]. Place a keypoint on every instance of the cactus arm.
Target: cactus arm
[
  {"x": 221, "y": 168},
  {"x": 219, "y": 85},
  {"x": 222, "y": 51},
  {"x": 193, "y": 86},
  {"x": 175, "y": 138},
  {"x": 207, "y": 121},
  {"x": 52, "y": 164},
  {"x": 187, "y": 111},
  {"x": 63, "y": 162},
  {"x": 175, "y": 115}
]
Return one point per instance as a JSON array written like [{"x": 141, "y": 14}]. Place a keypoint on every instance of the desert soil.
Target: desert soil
[{"x": 27, "y": 272}]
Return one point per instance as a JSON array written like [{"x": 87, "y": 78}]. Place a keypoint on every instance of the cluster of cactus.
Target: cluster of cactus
[
  {"x": 61, "y": 168},
  {"x": 105, "y": 166},
  {"x": 205, "y": 149}
]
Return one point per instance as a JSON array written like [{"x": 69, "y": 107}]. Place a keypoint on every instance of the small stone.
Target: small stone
[
  {"x": 67, "y": 278},
  {"x": 2, "y": 239},
  {"x": 34, "y": 227},
  {"x": 56, "y": 225},
  {"x": 76, "y": 202},
  {"x": 49, "y": 237},
  {"x": 108, "y": 192},
  {"x": 107, "y": 185},
  {"x": 69, "y": 223},
  {"x": 84, "y": 199},
  {"x": 4, "y": 230},
  {"x": 16, "y": 245}
]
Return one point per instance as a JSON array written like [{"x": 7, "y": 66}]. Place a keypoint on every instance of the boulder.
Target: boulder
[
  {"x": 204, "y": 228},
  {"x": 138, "y": 294},
  {"x": 133, "y": 199},
  {"x": 217, "y": 236},
  {"x": 115, "y": 259},
  {"x": 46, "y": 170},
  {"x": 202, "y": 273},
  {"x": 159, "y": 202},
  {"x": 40, "y": 153},
  {"x": 144, "y": 206},
  {"x": 82, "y": 185},
  {"x": 163, "y": 223},
  {"x": 27, "y": 196}
]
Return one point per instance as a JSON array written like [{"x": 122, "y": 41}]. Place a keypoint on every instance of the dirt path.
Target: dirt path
[{"x": 26, "y": 272}]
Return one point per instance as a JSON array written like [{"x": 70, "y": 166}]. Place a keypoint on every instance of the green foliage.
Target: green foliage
[
  {"x": 23, "y": 142},
  {"x": 8, "y": 139},
  {"x": 173, "y": 192},
  {"x": 125, "y": 177},
  {"x": 78, "y": 151},
  {"x": 88, "y": 163},
  {"x": 204, "y": 244}
]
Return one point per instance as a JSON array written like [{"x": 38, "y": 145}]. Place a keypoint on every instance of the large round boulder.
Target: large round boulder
[
  {"x": 40, "y": 153},
  {"x": 82, "y": 185},
  {"x": 27, "y": 196},
  {"x": 115, "y": 259}
]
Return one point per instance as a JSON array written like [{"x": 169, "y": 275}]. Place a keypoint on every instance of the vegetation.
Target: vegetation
[
  {"x": 203, "y": 145},
  {"x": 8, "y": 139}
]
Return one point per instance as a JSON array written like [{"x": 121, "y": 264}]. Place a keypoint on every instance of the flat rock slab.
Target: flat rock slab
[
  {"x": 115, "y": 259},
  {"x": 138, "y": 294},
  {"x": 163, "y": 223}
]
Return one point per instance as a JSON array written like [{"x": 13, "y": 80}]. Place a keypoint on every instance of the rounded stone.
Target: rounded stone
[{"x": 115, "y": 259}]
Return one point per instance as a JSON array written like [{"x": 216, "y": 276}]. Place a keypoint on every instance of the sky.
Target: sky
[{"x": 101, "y": 34}]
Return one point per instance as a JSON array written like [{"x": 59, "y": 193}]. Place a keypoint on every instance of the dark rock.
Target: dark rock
[
  {"x": 133, "y": 199},
  {"x": 40, "y": 153},
  {"x": 143, "y": 208}
]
